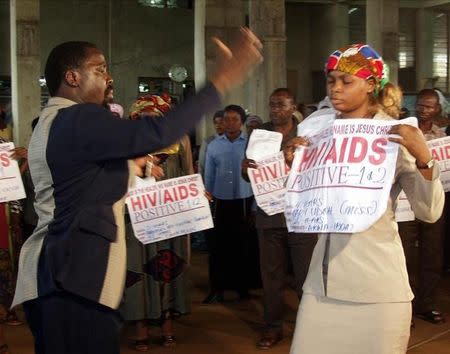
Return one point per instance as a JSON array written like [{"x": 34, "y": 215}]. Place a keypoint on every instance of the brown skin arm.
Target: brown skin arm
[
  {"x": 245, "y": 165},
  {"x": 235, "y": 62},
  {"x": 413, "y": 140}
]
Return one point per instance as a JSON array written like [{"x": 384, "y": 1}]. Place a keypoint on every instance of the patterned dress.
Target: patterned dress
[
  {"x": 157, "y": 281},
  {"x": 9, "y": 250}
]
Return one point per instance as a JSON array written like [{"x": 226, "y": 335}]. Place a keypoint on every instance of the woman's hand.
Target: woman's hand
[
  {"x": 19, "y": 153},
  {"x": 209, "y": 196},
  {"x": 156, "y": 171},
  {"x": 413, "y": 140},
  {"x": 291, "y": 146}
]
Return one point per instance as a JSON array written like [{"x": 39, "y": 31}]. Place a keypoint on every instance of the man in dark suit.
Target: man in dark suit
[{"x": 72, "y": 269}]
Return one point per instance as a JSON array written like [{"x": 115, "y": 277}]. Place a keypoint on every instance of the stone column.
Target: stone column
[
  {"x": 222, "y": 19},
  {"x": 267, "y": 20},
  {"x": 25, "y": 67},
  {"x": 424, "y": 48},
  {"x": 382, "y": 18}
]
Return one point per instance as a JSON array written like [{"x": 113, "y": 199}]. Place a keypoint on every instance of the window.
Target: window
[{"x": 440, "y": 50}]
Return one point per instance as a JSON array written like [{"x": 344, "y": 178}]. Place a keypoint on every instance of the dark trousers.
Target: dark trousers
[
  {"x": 446, "y": 215},
  {"x": 279, "y": 250},
  {"x": 427, "y": 257},
  {"x": 63, "y": 323},
  {"x": 233, "y": 247}
]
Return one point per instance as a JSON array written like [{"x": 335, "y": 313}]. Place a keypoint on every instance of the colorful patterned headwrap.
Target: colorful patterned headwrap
[
  {"x": 149, "y": 105},
  {"x": 360, "y": 60},
  {"x": 145, "y": 105}
]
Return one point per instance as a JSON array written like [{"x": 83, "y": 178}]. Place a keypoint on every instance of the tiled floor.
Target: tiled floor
[{"x": 233, "y": 327}]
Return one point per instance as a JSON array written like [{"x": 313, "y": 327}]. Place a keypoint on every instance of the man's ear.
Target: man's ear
[{"x": 71, "y": 78}]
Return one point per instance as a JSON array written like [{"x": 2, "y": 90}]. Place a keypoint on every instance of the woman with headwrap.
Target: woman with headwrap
[
  {"x": 357, "y": 297},
  {"x": 157, "y": 278}
]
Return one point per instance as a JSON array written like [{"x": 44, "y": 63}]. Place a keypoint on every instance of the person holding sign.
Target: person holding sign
[
  {"x": 429, "y": 236},
  {"x": 157, "y": 284},
  {"x": 357, "y": 294},
  {"x": 280, "y": 250},
  {"x": 72, "y": 269}
]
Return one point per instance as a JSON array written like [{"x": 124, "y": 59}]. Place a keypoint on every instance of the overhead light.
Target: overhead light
[
  {"x": 352, "y": 10},
  {"x": 158, "y": 3}
]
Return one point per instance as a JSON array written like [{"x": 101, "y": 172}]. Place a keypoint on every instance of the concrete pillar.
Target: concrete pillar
[
  {"x": 382, "y": 17},
  {"x": 424, "y": 48},
  {"x": 222, "y": 19},
  {"x": 25, "y": 67},
  {"x": 267, "y": 20},
  {"x": 200, "y": 61}
]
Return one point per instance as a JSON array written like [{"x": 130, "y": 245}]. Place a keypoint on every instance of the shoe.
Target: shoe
[
  {"x": 140, "y": 345},
  {"x": 168, "y": 341},
  {"x": 432, "y": 316},
  {"x": 269, "y": 339},
  {"x": 213, "y": 297}
]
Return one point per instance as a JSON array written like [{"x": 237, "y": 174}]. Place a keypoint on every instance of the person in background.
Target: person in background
[
  {"x": 442, "y": 120},
  {"x": 220, "y": 129},
  {"x": 157, "y": 285},
  {"x": 357, "y": 294},
  {"x": 230, "y": 265},
  {"x": 281, "y": 252},
  {"x": 429, "y": 236},
  {"x": 252, "y": 122}
]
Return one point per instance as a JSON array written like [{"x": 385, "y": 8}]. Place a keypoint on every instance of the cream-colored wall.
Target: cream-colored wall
[
  {"x": 298, "y": 48},
  {"x": 144, "y": 41}
]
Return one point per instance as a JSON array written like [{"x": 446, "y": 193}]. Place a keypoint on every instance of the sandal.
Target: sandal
[
  {"x": 140, "y": 345},
  {"x": 432, "y": 316}
]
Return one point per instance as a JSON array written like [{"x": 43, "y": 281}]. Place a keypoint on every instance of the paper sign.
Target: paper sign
[
  {"x": 169, "y": 208},
  {"x": 440, "y": 150},
  {"x": 341, "y": 182},
  {"x": 11, "y": 185},
  {"x": 263, "y": 143},
  {"x": 268, "y": 183}
]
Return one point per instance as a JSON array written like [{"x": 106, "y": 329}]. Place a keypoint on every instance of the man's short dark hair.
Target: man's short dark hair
[
  {"x": 238, "y": 109},
  {"x": 428, "y": 93},
  {"x": 65, "y": 56},
  {"x": 218, "y": 114},
  {"x": 283, "y": 91}
]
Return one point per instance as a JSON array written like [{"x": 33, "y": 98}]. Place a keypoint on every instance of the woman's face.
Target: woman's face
[{"x": 349, "y": 94}]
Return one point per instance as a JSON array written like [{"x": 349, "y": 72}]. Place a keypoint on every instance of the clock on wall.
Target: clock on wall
[{"x": 178, "y": 73}]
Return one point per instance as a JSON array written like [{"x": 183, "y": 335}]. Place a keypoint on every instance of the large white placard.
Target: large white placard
[
  {"x": 440, "y": 150},
  {"x": 168, "y": 208},
  {"x": 11, "y": 185},
  {"x": 263, "y": 143},
  {"x": 341, "y": 182},
  {"x": 268, "y": 183}
]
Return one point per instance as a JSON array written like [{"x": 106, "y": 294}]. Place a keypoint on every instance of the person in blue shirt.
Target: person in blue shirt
[{"x": 231, "y": 248}]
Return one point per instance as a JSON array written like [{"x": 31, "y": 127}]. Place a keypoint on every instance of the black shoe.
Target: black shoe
[
  {"x": 213, "y": 297},
  {"x": 433, "y": 316}
]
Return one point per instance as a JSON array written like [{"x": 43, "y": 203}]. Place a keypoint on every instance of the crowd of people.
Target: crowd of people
[{"x": 82, "y": 271}]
